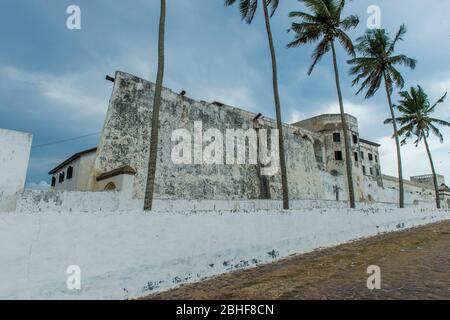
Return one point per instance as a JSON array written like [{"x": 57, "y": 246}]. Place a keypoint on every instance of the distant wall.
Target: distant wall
[
  {"x": 134, "y": 254},
  {"x": 35, "y": 201},
  {"x": 14, "y": 156},
  {"x": 44, "y": 201}
]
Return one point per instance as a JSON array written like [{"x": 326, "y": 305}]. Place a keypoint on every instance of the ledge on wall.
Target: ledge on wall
[{"x": 122, "y": 170}]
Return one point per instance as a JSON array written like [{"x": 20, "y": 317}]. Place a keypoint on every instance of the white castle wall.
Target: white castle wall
[
  {"x": 14, "y": 156},
  {"x": 132, "y": 254}
]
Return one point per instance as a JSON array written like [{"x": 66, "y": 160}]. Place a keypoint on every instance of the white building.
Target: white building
[
  {"x": 73, "y": 173},
  {"x": 14, "y": 156}
]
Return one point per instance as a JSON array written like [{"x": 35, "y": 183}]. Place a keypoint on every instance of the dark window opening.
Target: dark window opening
[
  {"x": 338, "y": 155},
  {"x": 69, "y": 173},
  {"x": 61, "y": 177},
  {"x": 364, "y": 170},
  {"x": 371, "y": 171},
  {"x": 355, "y": 139},
  {"x": 370, "y": 157},
  {"x": 356, "y": 156},
  {"x": 53, "y": 181},
  {"x": 376, "y": 158},
  {"x": 362, "y": 155},
  {"x": 336, "y": 137},
  {"x": 378, "y": 172}
]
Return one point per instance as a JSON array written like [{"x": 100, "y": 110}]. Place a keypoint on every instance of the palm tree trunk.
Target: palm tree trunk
[
  {"x": 148, "y": 201},
  {"x": 284, "y": 183},
  {"x": 397, "y": 142},
  {"x": 436, "y": 188},
  {"x": 348, "y": 158}
]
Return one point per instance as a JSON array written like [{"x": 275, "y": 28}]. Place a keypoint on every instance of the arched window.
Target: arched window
[{"x": 110, "y": 186}]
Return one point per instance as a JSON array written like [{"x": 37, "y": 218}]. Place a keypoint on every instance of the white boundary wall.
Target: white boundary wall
[
  {"x": 35, "y": 201},
  {"x": 14, "y": 156},
  {"x": 131, "y": 254}
]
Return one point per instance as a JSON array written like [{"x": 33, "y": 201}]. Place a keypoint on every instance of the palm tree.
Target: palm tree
[
  {"x": 148, "y": 201},
  {"x": 248, "y": 10},
  {"x": 416, "y": 121},
  {"x": 326, "y": 25},
  {"x": 378, "y": 63}
]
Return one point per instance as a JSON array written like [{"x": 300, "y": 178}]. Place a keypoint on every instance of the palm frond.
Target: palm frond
[
  {"x": 322, "y": 48},
  {"x": 436, "y": 132},
  {"x": 398, "y": 37},
  {"x": 441, "y": 100},
  {"x": 303, "y": 15},
  {"x": 318, "y": 7},
  {"x": 346, "y": 42},
  {"x": 350, "y": 22},
  {"x": 247, "y": 8},
  {"x": 273, "y": 6},
  {"x": 403, "y": 60},
  {"x": 396, "y": 77}
]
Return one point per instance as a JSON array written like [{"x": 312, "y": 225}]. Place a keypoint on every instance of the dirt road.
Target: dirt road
[{"x": 415, "y": 264}]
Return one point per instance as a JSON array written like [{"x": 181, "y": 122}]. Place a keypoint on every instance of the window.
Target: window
[
  {"x": 370, "y": 157},
  {"x": 69, "y": 173},
  {"x": 53, "y": 181},
  {"x": 364, "y": 170},
  {"x": 376, "y": 158},
  {"x": 371, "y": 171},
  {"x": 355, "y": 139},
  {"x": 61, "y": 177},
  {"x": 362, "y": 155},
  {"x": 338, "y": 155},
  {"x": 356, "y": 156},
  {"x": 336, "y": 137},
  {"x": 378, "y": 172}
]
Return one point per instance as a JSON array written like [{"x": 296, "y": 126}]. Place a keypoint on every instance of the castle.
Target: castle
[{"x": 314, "y": 149}]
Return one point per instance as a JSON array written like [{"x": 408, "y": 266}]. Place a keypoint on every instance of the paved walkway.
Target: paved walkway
[{"x": 415, "y": 264}]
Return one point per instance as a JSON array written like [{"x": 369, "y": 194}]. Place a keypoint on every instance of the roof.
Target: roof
[
  {"x": 71, "y": 159},
  {"x": 370, "y": 142},
  {"x": 116, "y": 172}
]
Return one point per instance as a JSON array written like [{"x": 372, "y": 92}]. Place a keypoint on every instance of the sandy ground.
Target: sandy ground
[{"x": 415, "y": 264}]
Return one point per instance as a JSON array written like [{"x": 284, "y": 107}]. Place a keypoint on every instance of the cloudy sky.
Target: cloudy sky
[{"x": 52, "y": 79}]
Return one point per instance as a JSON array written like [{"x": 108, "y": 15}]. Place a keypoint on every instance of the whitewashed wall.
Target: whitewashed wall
[
  {"x": 36, "y": 201},
  {"x": 133, "y": 254},
  {"x": 14, "y": 156}
]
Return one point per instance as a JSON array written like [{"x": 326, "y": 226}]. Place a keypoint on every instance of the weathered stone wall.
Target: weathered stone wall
[{"x": 125, "y": 141}]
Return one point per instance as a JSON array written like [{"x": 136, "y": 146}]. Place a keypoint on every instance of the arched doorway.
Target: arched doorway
[{"x": 110, "y": 186}]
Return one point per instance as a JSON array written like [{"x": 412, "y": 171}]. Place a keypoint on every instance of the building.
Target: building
[
  {"x": 314, "y": 148},
  {"x": 73, "y": 173},
  {"x": 14, "y": 156},
  {"x": 428, "y": 179}
]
